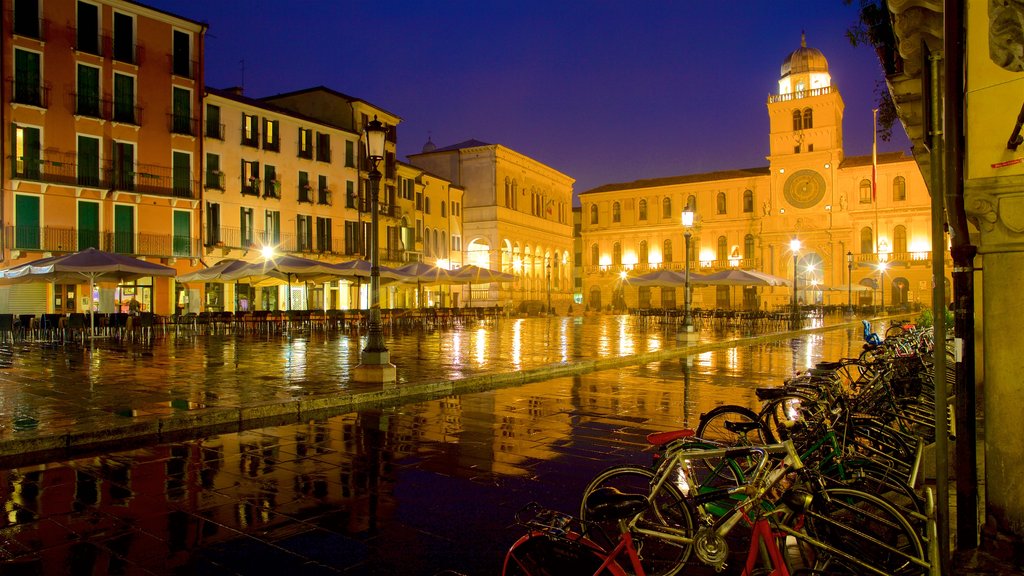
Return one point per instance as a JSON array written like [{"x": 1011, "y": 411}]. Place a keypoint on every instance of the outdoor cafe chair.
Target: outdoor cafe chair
[{"x": 7, "y": 328}]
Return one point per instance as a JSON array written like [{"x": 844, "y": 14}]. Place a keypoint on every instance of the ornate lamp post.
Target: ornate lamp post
[
  {"x": 687, "y": 221},
  {"x": 549, "y": 288},
  {"x": 881, "y": 281},
  {"x": 794, "y": 247},
  {"x": 375, "y": 363},
  {"x": 849, "y": 284}
]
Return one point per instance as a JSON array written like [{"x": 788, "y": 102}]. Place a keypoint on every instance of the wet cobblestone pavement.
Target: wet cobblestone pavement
[{"x": 412, "y": 489}]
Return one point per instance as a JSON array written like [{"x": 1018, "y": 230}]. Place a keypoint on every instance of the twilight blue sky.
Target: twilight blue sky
[{"x": 601, "y": 90}]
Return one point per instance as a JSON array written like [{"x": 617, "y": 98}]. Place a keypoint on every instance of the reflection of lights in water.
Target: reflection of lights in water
[
  {"x": 627, "y": 345},
  {"x": 517, "y": 343},
  {"x": 563, "y": 339},
  {"x": 706, "y": 357},
  {"x": 481, "y": 345},
  {"x": 603, "y": 341},
  {"x": 456, "y": 348},
  {"x": 732, "y": 358}
]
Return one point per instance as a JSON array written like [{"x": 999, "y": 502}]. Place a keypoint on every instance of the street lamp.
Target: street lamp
[
  {"x": 549, "y": 288},
  {"x": 794, "y": 247},
  {"x": 687, "y": 220},
  {"x": 881, "y": 281},
  {"x": 849, "y": 284},
  {"x": 375, "y": 363}
]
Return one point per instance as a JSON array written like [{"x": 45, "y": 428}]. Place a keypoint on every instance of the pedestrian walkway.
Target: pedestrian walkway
[{"x": 57, "y": 399}]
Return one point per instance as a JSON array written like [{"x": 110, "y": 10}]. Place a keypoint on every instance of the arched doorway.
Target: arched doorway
[
  {"x": 595, "y": 298},
  {"x": 900, "y": 292}
]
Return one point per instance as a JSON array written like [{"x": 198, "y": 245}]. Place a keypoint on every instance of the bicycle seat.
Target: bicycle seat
[
  {"x": 662, "y": 438},
  {"x": 771, "y": 393},
  {"x": 607, "y": 503}
]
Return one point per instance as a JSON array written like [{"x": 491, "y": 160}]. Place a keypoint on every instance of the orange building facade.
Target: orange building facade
[{"x": 101, "y": 143}]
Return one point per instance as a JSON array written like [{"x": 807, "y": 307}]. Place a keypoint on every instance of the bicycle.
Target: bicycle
[{"x": 553, "y": 547}]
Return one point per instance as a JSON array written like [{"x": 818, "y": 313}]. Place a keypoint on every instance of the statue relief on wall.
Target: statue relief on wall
[{"x": 1006, "y": 34}]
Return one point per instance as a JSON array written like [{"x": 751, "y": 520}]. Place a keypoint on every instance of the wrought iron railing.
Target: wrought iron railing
[{"x": 62, "y": 240}]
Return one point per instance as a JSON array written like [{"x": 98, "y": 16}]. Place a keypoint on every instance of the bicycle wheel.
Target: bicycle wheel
[
  {"x": 658, "y": 556},
  {"x": 537, "y": 554},
  {"x": 713, "y": 427},
  {"x": 863, "y": 533}
]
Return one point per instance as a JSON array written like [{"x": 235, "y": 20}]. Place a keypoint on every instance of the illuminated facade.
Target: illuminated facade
[
  {"x": 517, "y": 218},
  {"x": 746, "y": 218},
  {"x": 101, "y": 147}
]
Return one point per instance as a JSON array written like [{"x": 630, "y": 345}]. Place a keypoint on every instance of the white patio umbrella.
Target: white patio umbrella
[
  {"x": 666, "y": 279},
  {"x": 287, "y": 266},
  {"x": 737, "y": 277},
  {"x": 421, "y": 273},
  {"x": 90, "y": 265},
  {"x": 360, "y": 269},
  {"x": 471, "y": 274}
]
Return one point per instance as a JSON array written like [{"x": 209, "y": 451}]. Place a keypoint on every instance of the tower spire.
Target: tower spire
[{"x": 803, "y": 39}]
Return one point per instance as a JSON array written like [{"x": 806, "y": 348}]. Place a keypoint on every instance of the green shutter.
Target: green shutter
[
  {"x": 182, "y": 233},
  {"x": 182, "y": 174},
  {"x": 182, "y": 111},
  {"x": 26, "y": 223},
  {"x": 124, "y": 98},
  {"x": 26, "y": 78},
  {"x": 124, "y": 229},
  {"x": 88, "y": 98},
  {"x": 88, "y": 28},
  {"x": 88, "y": 161},
  {"x": 88, "y": 225}
]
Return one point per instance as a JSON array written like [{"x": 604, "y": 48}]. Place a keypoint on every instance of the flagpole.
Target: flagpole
[{"x": 874, "y": 195}]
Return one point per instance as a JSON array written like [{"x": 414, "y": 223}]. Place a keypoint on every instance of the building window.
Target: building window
[
  {"x": 748, "y": 201},
  {"x": 865, "y": 191},
  {"x": 617, "y": 254},
  {"x": 443, "y": 213},
  {"x": 214, "y": 176},
  {"x": 304, "y": 233},
  {"x": 323, "y": 147},
  {"x": 246, "y": 223},
  {"x": 595, "y": 255},
  {"x": 182, "y": 233},
  {"x": 323, "y": 192},
  {"x": 616, "y": 212},
  {"x": 124, "y": 38},
  {"x": 722, "y": 253},
  {"x": 214, "y": 127},
  {"x": 272, "y": 228},
  {"x": 181, "y": 174},
  {"x": 124, "y": 229},
  {"x": 691, "y": 202},
  {"x": 720, "y": 203},
  {"x": 212, "y": 224},
  {"x": 350, "y": 154},
  {"x": 748, "y": 246},
  {"x": 867, "y": 241},
  {"x": 88, "y": 161},
  {"x": 666, "y": 208},
  {"x": 808, "y": 119},
  {"x": 508, "y": 192},
  {"x": 271, "y": 185},
  {"x": 797, "y": 120},
  {"x": 181, "y": 111},
  {"x": 27, "y": 153},
  {"x": 28, "y": 87},
  {"x": 305, "y": 143},
  {"x": 87, "y": 36},
  {"x": 642, "y": 257},
  {"x": 87, "y": 97},
  {"x": 250, "y": 130},
  {"x": 250, "y": 178},
  {"x": 27, "y": 230},
  {"x": 642, "y": 210},
  {"x": 323, "y": 235},
  {"x": 899, "y": 189},
  {"x": 899, "y": 239},
  {"x": 124, "y": 99},
  {"x": 182, "y": 55},
  {"x": 593, "y": 213},
  {"x": 271, "y": 135},
  {"x": 124, "y": 165},
  {"x": 305, "y": 188}
]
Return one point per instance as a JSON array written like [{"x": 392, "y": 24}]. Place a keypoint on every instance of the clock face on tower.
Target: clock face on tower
[{"x": 804, "y": 188}]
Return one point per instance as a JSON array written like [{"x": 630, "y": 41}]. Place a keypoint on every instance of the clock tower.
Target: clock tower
[{"x": 806, "y": 134}]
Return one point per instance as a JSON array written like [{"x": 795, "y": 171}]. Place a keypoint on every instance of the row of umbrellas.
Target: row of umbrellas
[
  {"x": 94, "y": 266},
  {"x": 731, "y": 277}
]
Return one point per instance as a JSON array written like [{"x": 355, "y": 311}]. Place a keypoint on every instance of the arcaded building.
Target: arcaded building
[{"x": 863, "y": 222}]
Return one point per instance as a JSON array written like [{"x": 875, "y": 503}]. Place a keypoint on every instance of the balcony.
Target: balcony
[
  {"x": 123, "y": 112},
  {"x": 214, "y": 130},
  {"x": 62, "y": 240},
  {"x": 272, "y": 145},
  {"x": 125, "y": 52},
  {"x": 215, "y": 180},
  {"x": 801, "y": 94},
  {"x": 251, "y": 139},
  {"x": 324, "y": 197},
  {"x": 180, "y": 124},
  {"x": 273, "y": 190},
  {"x": 306, "y": 193},
  {"x": 251, "y": 186},
  {"x": 87, "y": 104},
  {"x": 30, "y": 93},
  {"x": 62, "y": 169}
]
